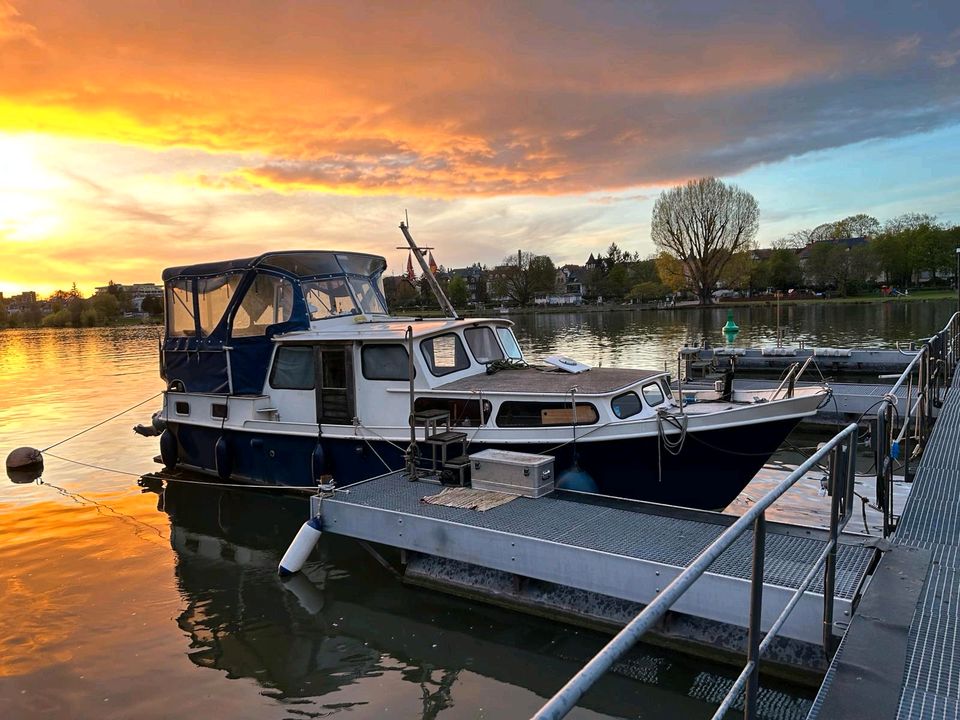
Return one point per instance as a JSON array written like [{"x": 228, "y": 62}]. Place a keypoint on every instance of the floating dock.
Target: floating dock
[
  {"x": 608, "y": 550},
  {"x": 901, "y": 656},
  {"x": 774, "y": 359}
]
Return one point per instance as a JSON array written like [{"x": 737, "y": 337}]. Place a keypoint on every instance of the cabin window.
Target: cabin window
[
  {"x": 385, "y": 362},
  {"x": 328, "y": 298},
  {"x": 293, "y": 368},
  {"x": 652, "y": 394},
  {"x": 180, "y": 318},
  {"x": 268, "y": 301},
  {"x": 218, "y": 411},
  {"x": 542, "y": 414},
  {"x": 626, "y": 405},
  {"x": 367, "y": 296},
  {"x": 510, "y": 343},
  {"x": 483, "y": 344},
  {"x": 213, "y": 296},
  {"x": 464, "y": 412},
  {"x": 445, "y": 354}
]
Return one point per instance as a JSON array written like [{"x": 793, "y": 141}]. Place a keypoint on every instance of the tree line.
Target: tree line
[
  {"x": 705, "y": 232},
  {"x": 69, "y": 308}
]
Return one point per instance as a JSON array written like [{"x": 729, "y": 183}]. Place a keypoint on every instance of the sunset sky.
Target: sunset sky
[{"x": 137, "y": 135}]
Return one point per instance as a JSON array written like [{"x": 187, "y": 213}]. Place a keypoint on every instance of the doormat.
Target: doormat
[{"x": 469, "y": 499}]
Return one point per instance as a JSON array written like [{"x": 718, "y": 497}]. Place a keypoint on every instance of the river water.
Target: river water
[{"x": 121, "y": 599}]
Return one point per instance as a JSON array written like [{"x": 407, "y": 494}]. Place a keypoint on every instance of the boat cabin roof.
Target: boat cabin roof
[
  {"x": 300, "y": 263},
  {"x": 385, "y": 330},
  {"x": 596, "y": 381}
]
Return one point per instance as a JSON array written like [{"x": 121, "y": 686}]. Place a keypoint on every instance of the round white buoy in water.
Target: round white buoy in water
[{"x": 301, "y": 547}]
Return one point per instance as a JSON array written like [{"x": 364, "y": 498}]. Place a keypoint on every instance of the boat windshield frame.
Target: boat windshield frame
[
  {"x": 367, "y": 301},
  {"x": 364, "y": 290}
]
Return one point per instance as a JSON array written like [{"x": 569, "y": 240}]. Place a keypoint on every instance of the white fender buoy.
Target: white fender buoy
[{"x": 296, "y": 555}]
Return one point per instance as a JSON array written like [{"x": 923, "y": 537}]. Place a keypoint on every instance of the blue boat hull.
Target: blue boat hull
[{"x": 710, "y": 471}]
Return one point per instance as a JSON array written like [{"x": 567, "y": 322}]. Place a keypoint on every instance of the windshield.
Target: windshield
[
  {"x": 509, "y": 343},
  {"x": 366, "y": 295},
  {"x": 342, "y": 296},
  {"x": 328, "y": 298}
]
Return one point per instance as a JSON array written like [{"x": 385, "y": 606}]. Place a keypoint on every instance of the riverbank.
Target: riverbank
[
  {"x": 119, "y": 322},
  {"x": 762, "y": 302}
]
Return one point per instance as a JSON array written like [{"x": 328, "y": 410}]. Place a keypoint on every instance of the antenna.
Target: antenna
[
  {"x": 445, "y": 303},
  {"x": 406, "y": 218}
]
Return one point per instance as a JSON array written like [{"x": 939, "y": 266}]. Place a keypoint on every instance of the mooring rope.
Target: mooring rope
[{"x": 103, "y": 422}]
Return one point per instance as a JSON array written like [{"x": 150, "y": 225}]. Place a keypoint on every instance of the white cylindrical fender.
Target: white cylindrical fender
[{"x": 301, "y": 547}]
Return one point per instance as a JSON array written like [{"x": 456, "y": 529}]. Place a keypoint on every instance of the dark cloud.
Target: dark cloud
[{"x": 452, "y": 99}]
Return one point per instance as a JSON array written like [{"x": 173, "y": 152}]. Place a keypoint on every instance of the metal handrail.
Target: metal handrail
[
  {"x": 842, "y": 475},
  {"x": 932, "y": 365}
]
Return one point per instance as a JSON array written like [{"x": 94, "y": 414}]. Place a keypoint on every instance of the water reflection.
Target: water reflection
[
  {"x": 102, "y": 619},
  {"x": 651, "y": 338},
  {"x": 342, "y": 633}
]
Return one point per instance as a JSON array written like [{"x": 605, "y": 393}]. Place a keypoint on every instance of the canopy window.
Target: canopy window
[
  {"x": 213, "y": 297},
  {"x": 181, "y": 320},
  {"x": 268, "y": 301}
]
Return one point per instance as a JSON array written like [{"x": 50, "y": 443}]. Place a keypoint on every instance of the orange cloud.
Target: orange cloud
[{"x": 438, "y": 100}]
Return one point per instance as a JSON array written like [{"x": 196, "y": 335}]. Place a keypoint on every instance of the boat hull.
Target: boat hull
[{"x": 710, "y": 470}]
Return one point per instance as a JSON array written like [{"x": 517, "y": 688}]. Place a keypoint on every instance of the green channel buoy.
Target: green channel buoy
[{"x": 730, "y": 330}]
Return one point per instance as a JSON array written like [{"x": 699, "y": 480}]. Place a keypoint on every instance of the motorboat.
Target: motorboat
[{"x": 287, "y": 368}]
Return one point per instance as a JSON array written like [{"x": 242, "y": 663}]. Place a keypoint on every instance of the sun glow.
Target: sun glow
[{"x": 27, "y": 207}]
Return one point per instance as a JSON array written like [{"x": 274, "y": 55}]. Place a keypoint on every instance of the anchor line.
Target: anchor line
[
  {"x": 235, "y": 486},
  {"x": 103, "y": 422},
  {"x": 100, "y": 506}
]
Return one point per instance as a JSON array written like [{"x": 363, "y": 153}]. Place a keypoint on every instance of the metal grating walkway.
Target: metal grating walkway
[
  {"x": 931, "y": 519},
  {"x": 593, "y": 546},
  {"x": 930, "y": 524}
]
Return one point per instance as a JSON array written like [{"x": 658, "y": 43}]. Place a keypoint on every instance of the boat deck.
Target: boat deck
[
  {"x": 623, "y": 549},
  {"x": 541, "y": 381},
  {"x": 849, "y": 400}
]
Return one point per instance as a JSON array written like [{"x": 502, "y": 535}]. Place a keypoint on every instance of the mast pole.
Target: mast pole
[{"x": 445, "y": 304}]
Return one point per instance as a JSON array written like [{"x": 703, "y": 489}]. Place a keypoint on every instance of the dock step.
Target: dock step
[{"x": 446, "y": 438}]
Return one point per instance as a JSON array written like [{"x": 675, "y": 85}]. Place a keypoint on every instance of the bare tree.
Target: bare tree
[
  {"x": 859, "y": 225},
  {"x": 703, "y": 224},
  {"x": 523, "y": 275}
]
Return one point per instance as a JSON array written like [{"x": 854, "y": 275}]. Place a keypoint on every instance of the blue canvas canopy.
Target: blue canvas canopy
[{"x": 221, "y": 317}]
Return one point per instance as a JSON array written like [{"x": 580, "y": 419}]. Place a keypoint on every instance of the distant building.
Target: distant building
[
  {"x": 847, "y": 243},
  {"x": 23, "y": 302},
  {"x": 558, "y": 299},
  {"x": 474, "y": 277},
  {"x": 137, "y": 292},
  {"x": 570, "y": 280}
]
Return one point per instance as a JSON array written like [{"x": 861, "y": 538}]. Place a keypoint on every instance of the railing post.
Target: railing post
[
  {"x": 756, "y": 611},
  {"x": 850, "y": 483},
  {"x": 838, "y": 468},
  {"x": 880, "y": 452}
]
